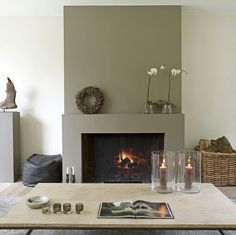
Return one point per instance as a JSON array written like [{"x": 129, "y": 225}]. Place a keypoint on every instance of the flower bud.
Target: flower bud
[{"x": 152, "y": 72}]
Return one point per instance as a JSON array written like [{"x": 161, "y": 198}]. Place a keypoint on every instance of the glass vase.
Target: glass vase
[
  {"x": 166, "y": 109},
  {"x": 163, "y": 171},
  {"x": 188, "y": 171},
  {"x": 148, "y": 108}
]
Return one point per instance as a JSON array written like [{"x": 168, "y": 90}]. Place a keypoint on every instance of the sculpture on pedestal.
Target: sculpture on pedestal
[{"x": 9, "y": 102}]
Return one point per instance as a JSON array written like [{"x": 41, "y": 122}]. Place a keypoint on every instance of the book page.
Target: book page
[
  {"x": 144, "y": 209},
  {"x": 116, "y": 209}
]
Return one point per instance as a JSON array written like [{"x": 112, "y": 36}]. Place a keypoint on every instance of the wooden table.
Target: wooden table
[{"x": 209, "y": 209}]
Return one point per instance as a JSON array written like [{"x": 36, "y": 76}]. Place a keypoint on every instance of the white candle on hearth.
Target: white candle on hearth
[
  {"x": 72, "y": 170},
  {"x": 67, "y": 170}
]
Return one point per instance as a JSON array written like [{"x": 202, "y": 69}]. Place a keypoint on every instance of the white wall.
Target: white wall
[
  {"x": 31, "y": 54},
  {"x": 209, "y": 90}
]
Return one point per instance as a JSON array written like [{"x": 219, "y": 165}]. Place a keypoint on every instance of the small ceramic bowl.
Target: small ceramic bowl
[{"x": 36, "y": 202}]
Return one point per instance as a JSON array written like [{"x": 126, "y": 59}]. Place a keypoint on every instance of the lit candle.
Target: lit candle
[
  {"x": 163, "y": 175},
  {"x": 188, "y": 175}
]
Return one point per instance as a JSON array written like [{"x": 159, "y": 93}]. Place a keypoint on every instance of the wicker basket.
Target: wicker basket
[{"x": 218, "y": 168}]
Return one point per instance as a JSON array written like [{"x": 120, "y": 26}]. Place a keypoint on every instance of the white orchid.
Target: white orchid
[
  {"x": 173, "y": 73},
  {"x": 152, "y": 72},
  {"x": 162, "y": 67}
]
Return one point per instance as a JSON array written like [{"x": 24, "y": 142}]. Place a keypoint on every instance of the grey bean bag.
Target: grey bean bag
[{"x": 42, "y": 169}]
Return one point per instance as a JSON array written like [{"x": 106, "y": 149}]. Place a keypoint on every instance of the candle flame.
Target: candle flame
[
  {"x": 163, "y": 163},
  {"x": 189, "y": 161}
]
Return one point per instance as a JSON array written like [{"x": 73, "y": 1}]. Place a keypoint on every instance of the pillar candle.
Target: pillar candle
[
  {"x": 72, "y": 178},
  {"x": 163, "y": 175},
  {"x": 188, "y": 175},
  {"x": 67, "y": 174},
  {"x": 72, "y": 170}
]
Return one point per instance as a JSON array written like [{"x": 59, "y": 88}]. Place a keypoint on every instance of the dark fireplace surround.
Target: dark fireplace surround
[
  {"x": 119, "y": 158},
  {"x": 117, "y": 148}
]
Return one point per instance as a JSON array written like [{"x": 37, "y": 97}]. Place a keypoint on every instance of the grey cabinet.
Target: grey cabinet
[{"x": 9, "y": 147}]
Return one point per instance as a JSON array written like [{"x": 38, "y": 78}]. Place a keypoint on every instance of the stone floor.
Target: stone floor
[
  {"x": 228, "y": 191},
  {"x": 13, "y": 189}
]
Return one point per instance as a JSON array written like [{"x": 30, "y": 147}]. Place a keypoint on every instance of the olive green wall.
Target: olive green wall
[{"x": 112, "y": 47}]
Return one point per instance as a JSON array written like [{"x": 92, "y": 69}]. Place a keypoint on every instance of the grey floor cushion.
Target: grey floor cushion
[{"x": 40, "y": 168}]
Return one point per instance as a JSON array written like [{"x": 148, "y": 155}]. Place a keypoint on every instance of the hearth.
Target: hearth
[
  {"x": 119, "y": 158},
  {"x": 76, "y": 125}
]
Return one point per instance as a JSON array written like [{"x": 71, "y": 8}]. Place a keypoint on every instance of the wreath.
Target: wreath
[{"x": 84, "y": 95}]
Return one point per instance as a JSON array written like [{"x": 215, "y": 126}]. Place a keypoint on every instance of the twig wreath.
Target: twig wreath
[{"x": 84, "y": 95}]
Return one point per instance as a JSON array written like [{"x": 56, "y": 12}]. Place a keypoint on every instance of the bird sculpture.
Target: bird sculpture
[{"x": 9, "y": 102}]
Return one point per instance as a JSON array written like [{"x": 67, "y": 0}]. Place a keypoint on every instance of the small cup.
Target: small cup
[
  {"x": 79, "y": 208},
  {"x": 46, "y": 208},
  {"x": 57, "y": 208},
  {"x": 67, "y": 208}
]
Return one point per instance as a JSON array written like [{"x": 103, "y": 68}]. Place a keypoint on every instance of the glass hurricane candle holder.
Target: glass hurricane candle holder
[
  {"x": 189, "y": 171},
  {"x": 163, "y": 173}
]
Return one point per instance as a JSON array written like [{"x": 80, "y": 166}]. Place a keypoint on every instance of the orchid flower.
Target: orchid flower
[
  {"x": 173, "y": 73},
  {"x": 153, "y": 72}
]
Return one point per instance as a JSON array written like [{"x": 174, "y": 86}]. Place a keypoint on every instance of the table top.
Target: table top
[{"x": 209, "y": 209}]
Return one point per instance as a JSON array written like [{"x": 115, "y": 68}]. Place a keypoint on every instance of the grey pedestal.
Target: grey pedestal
[{"x": 9, "y": 147}]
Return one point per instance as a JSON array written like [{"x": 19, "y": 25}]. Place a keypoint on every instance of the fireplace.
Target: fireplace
[
  {"x": 166, "y": 129},
  {"x": 121, "y": 157}
]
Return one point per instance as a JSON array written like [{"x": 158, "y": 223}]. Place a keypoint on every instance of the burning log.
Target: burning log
[
  {"x": 124, "y": 162},
  {"x": 132, "y": 165},
  {"x": 129, "y": 161}
]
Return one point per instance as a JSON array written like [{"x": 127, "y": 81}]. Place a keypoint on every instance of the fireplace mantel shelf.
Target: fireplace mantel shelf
[
  {"x": 74, "y": 125},
  {"x": 124, "y": 123}
]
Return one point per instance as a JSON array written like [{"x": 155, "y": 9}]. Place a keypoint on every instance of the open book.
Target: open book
[{"x": 135, "y": 209}]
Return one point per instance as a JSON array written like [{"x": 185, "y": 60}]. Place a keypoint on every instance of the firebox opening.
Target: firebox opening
[{"x": 119, "y": 158}]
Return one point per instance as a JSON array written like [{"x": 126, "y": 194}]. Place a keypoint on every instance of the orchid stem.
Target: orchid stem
[
  {"x": 169, "y": 89},
  {"x": 149, "y": 79}
]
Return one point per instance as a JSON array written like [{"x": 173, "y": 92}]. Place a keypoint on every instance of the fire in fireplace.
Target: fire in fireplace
[
  {"x": 128, "y": 166},
  {"x": 116, "y": 158}
]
